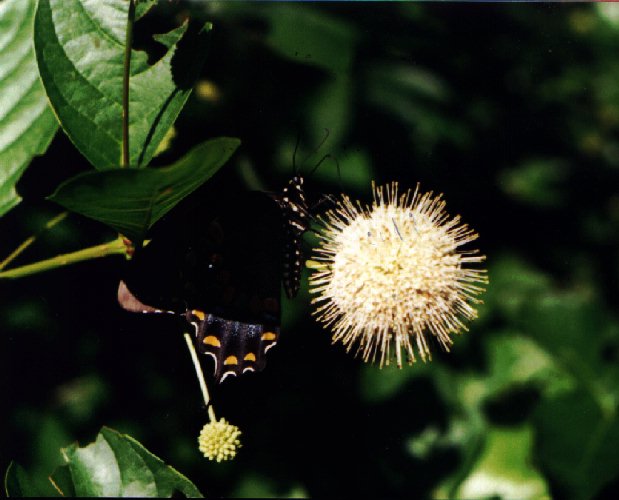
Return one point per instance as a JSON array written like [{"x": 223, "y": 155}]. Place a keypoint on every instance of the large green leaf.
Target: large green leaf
[
  {"x": 28, "y": 123},
  {"x": 131, "y": 200},
  {"x": 578, "y": 431},
  {"x": 115, "y": 465},
  {"x": 80, "y": 46},
  {"x": 578, "y": 442}
]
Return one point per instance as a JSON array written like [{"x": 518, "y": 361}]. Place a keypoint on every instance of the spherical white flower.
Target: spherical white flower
[{"x": 388, "y": 275}]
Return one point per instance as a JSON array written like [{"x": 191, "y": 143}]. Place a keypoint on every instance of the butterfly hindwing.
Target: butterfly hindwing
[{"x": 235, "y": 347}]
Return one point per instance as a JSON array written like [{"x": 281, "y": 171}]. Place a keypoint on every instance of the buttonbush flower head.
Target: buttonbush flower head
[
  {"x": 390, "y": 275},
  {"x": 219, "y": 440}
]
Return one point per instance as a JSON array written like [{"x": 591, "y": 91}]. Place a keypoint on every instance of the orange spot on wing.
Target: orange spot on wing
[
  {"x": 198, "y": 314},
  {"x": 212, "y": 340},
  {"x": 268, "y": 336},
  {"x": 231, "y": 360},
  {"x": 250, "y": 357}
]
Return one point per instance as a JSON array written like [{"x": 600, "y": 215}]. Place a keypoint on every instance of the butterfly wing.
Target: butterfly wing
[{"x": 223, "y": 274}]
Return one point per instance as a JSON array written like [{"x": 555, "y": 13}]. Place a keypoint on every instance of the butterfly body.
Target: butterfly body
[{"x": 224, "y": 275}]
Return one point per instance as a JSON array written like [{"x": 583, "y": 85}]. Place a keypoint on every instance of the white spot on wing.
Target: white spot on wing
[
  {"x": 266, "y": 349},
  {"x": 223, "y": 377},
  {"x": 212, "y": 355}
]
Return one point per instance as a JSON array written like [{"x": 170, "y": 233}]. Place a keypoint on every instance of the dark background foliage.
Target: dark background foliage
[{"x": 511, "y": 111}]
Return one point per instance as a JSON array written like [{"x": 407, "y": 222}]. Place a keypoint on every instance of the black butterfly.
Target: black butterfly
[{"x": 224, "y": 274}]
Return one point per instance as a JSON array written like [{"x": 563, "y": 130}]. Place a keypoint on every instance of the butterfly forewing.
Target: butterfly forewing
[{"x": 222, "y": 271}]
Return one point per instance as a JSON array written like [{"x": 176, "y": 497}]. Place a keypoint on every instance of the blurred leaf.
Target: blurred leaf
[
  {"x": 578, "y": 331},
  {"x": 17, "y": 483},
  {"x": 130, "y": 201},
  {"x": 407, "y": 80},
  {"x": 609, "y": 12},
  {"x": 579, "y": 431},
  {"x": 80, "y": 52},
  {"x": 26, "y": 315},
  {"x": 28, "y": 124},
  {"x": 309, "y": 36},
  {"x": 504, "y": 468},
  {"x": 464, "y": 395},
  {"x": 255, "y": 486},
  {"x": 421, "y": 445},
  {"x": 379, "y": 384},
  {"x": 331, "y": 109},
  {"x": 578, "y": 443},
  {"x": 81, "y": 397},
  {"x": 537, "y": 182},
  {"x": 514, "y": 284},
  {"x": 515, "y": 360},
  {"x": 417, "y": 97},
  {"x": 573, "y": 328},
  {"x": 50, "y": 433},
  {"x": 117, "y": 465}
]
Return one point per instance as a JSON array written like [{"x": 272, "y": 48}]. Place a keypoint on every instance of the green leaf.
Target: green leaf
[
  {"x": 17, "y": 483},
  {"x": 515, "y": 360},
  {"x": 537, "y": 182},
  {"x": 515, "y": 283},
  {"x": 62, "y": 481},
  {"x": 380, "y": 384},
  {"x": 28, "y": 124},
  {"x": 117, "y": 465},
  {"x": 114, "y": 465},
  {"x": 258, "y": 486},
  {"x": 331, "y": 109},
  {"x": 578, "y": 442},
  {"x": 80, "y": 49},
  {"x": 575, "y": 329},
  {"x": 143, "y": 6},
  {"x": 504, "y": 468},
  {"x": 307, "y": 35},
  {"x": 130, "y": 201}
]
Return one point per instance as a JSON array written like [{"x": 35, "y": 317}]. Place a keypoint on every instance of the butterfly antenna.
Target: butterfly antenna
[
  {"x": 337, "y": 166},
  {"x": 325, "y": 199},
  {"x": 294, "y": 154},
  {"x": 324, "y": 139},
  {"x": 317, "y": 148},
  {"x": 328, "y": 155}
]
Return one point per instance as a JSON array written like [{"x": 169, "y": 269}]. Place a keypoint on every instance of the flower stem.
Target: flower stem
[
  {"x": 113, "y": 247},
  {"x": 18, "y": 251},
  {"x": 200, "y": 375},
  {"x": 126, "y": 75}
]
